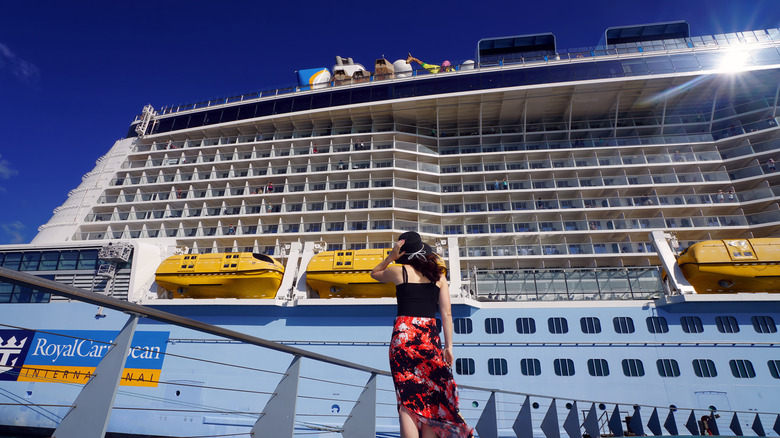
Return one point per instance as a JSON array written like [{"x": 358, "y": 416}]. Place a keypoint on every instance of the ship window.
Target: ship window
[
  {"x": 668, "y": 368},
  {"x": 530, "y": 367},
  {"x": 558, "y": 325},
  {"x": 704, "y": 368},
  {"x": 462, "y": 326},
  {"x": 742, "y": 369},
  {"x": 68, "y": 260},
  {"x": 49, "y": 261},
  {"x": 590, "y": 325},
  {"x": 30, "y": 261},
  {"x": 526, "y": 326},
  {"x": 494, "y": 326},
  {"x": 497, "y": 367},
  {"x": 763, "y": 324},
  {"x": 774, "y": 368},
  {"x": 598, "y": 367},
  {"x": 657, "y": 324},
  {"x": 87, "y": 259},
  {"x": 464, "y": 366},
  {"x": 12, "y": 260},
  {"x": 633, "y": 368},
  {"x": 623, "y": 324},
  {"x": 691, "y": 324},
  {"x": 564, "y": 367},
  {"x": 727, "y": 324},
  {"x": 10, "y": 293}
]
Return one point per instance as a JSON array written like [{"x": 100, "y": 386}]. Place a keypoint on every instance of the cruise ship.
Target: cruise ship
[{"x": 538, "y": 173}]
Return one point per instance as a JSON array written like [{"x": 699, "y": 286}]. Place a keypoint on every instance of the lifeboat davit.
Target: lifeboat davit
[
  {"x": 220, "y": 275},
  {"x": 732, "y": 266}
]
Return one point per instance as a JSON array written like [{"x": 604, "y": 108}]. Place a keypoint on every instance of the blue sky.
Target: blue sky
[{"x": 74, "y": 74}]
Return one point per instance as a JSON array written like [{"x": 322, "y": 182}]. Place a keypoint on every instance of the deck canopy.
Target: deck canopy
[
  {"x": 647, "y": 32},
  {"x": 516, "y": 47}
]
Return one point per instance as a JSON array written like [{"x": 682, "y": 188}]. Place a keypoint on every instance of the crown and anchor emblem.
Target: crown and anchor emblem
[{"x": 9, "y": 348}]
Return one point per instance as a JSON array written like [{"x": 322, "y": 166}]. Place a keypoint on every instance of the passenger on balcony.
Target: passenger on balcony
[
  {"x": 424, "y": 386},
  {"x": 433, "y": 68},
  {"x": 770, "y": 163},
  {"x": 720, "y": 196}
]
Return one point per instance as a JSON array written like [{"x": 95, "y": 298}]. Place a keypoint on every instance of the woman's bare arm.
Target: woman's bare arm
[{"x": 385, "y": 274}]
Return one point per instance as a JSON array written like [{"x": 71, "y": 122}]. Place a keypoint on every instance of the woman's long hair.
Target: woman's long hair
[{"x": 429, "y": 268}]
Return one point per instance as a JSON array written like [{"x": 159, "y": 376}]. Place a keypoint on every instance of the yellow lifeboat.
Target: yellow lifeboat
[
  {"x": 220, "y": 275},
  {"x": 347, "y": 274},
  {"x": 732, "y": 266}
]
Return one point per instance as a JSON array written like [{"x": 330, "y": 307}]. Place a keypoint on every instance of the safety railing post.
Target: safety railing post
[
  {"x": 278, "y": 418},
  {"x": 361, "y": 422},
  {"x": 91, "y": 410}
]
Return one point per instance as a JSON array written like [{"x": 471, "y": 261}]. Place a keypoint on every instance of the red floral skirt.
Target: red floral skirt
[{"x": 424, "y": 385}]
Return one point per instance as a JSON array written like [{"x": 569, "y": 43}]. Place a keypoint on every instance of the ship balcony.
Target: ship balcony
[
  {"x": 226, "y": 186},
  {"x": 167, "y": 160},
  {"x": 249, "y": 226},
  {"x": 648, "y": 202}
]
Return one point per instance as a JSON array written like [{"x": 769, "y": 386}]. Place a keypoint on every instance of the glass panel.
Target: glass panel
[
  {"x": 49, "y": 261},
  {"x": 87, "y": 259},
  {"x": 68, "y": 260},
  {"x": 12, "y": 260},
  {"x": 30, "y": 261}
]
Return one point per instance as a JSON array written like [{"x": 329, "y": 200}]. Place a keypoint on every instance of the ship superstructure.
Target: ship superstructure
[{"x": 538, "y": 173}]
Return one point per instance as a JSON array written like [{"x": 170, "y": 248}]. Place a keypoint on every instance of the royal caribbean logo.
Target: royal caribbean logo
[
  {"x": 14, "y": 345},
  {"x": 72, "y": 356}
]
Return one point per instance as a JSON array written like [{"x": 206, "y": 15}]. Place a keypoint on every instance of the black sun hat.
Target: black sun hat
[{"x": 413, "y": 248}]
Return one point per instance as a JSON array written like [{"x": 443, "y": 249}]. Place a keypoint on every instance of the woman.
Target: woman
[{"x": 426, "y": 392}]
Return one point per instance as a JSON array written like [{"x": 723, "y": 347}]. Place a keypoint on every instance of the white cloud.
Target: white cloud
[
  {"x": 25, "y": 71},
  {"x": 6, "y": 171},
  {"x": 13, "y": 232}
]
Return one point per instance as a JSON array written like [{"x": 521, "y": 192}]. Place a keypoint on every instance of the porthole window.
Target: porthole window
[
  {"x": 668, "y": 368},
  {"x": 774, "y": 368},
  {"x": 558, "y": 325},
  {"x": 623, "y": 324},
  {"x": 462, "y": 326},
  {"x": 598, "y": 367},
  {"x": 763, "y": 324},
  {"x": 657, "y": 324},
  {"x": 633, "y": 368},
  {"x": 742, "y": 369},
  {"x": 530, "y": 367},
  {"x": 590, "y": 325},
  {"x": 497, "y": 367},
  {"x": 691, "y": 324},
  {"x": 464, "y": 366},
  {"x": 494, "y": 326},
  {"x": 704, "y": 368},
  {"x": 526, "y": 326},
  {"x": 727, "y": 324},
  {"x": 564, "y": 367}
]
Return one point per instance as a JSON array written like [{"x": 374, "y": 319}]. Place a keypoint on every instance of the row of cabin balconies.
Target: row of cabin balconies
[
  {"x": 360, "y": 201},
  {"x": 549, "y": 187},
  {"x": 501, "y": 153},
  {"x": 383, "y": 221},
  {"x": 478, "y": 163}
]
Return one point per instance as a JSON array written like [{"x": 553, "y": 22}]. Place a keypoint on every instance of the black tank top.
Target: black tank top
[{"x": 417, "y": 299}]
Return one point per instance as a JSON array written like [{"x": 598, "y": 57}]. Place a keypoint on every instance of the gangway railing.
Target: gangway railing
[{"x": 537, "y": 414}]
